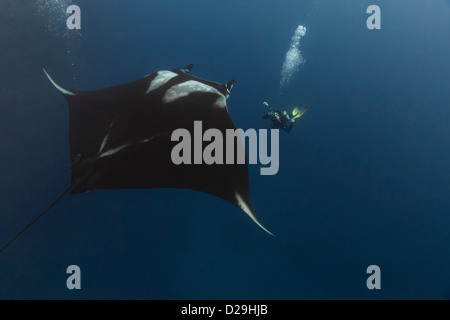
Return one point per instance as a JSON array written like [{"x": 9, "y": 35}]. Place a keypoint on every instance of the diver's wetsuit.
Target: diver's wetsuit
[{"x": 279, "y": 119}]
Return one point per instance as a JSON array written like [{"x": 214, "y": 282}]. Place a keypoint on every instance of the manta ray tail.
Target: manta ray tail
[
  {"x": 36, "y": 219},
  {"x": 65, "y": 92}
]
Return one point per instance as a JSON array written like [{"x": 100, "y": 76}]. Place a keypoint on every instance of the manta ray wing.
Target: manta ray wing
[{"x": 120, "y": 137}]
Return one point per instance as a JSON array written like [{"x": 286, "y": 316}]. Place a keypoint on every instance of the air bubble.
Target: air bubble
[{"x": 294, "y": 58}]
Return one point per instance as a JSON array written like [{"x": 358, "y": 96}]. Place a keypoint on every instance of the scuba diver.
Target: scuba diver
[{"x": 281, "y": 119}]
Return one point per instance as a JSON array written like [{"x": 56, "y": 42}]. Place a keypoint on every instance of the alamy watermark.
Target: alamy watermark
[
  {"x": 74, "y": 21},
  {"x": 226, "y": 149},
  {"x": 374, "y": 21},
  {"x": 374, "y": 280},
  {"x": 74, "y": 280}
]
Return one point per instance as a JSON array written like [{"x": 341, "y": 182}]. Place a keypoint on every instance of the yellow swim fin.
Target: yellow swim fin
[{"x": 297, "y": 113}]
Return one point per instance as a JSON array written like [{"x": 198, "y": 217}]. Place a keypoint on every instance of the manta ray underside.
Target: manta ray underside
[{"x": 120, "y": 137}]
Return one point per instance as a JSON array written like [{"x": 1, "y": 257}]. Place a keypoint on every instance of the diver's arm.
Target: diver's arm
[
  {"x": 289, "y": 128},
  {"x": 267, "y": 106}
]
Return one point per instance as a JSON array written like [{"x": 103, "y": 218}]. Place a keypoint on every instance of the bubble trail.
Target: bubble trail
[{"x": 294, "y": 58}]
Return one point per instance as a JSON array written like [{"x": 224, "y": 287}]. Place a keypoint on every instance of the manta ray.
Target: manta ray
[{"x": 120, "y": 137}]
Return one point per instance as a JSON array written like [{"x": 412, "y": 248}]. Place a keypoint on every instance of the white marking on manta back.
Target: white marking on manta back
[
  {"x": 221, "y": 102},
  {"x": 103, "y": 143},
  {"x": 112, "y": 152},
  {"x": 106, "y": 138},
  {"x": 57, "y": 86},
  {"x": 162, "y": 77},
  {"x": 184, "y": 89},
  {"x": 246, "y": 209}
]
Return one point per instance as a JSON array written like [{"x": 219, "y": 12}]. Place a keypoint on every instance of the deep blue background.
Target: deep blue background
[{"x": 364, "y": 176}]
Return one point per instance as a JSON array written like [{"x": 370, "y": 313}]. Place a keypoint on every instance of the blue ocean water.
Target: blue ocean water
[{"x": 364, "y": 175}]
